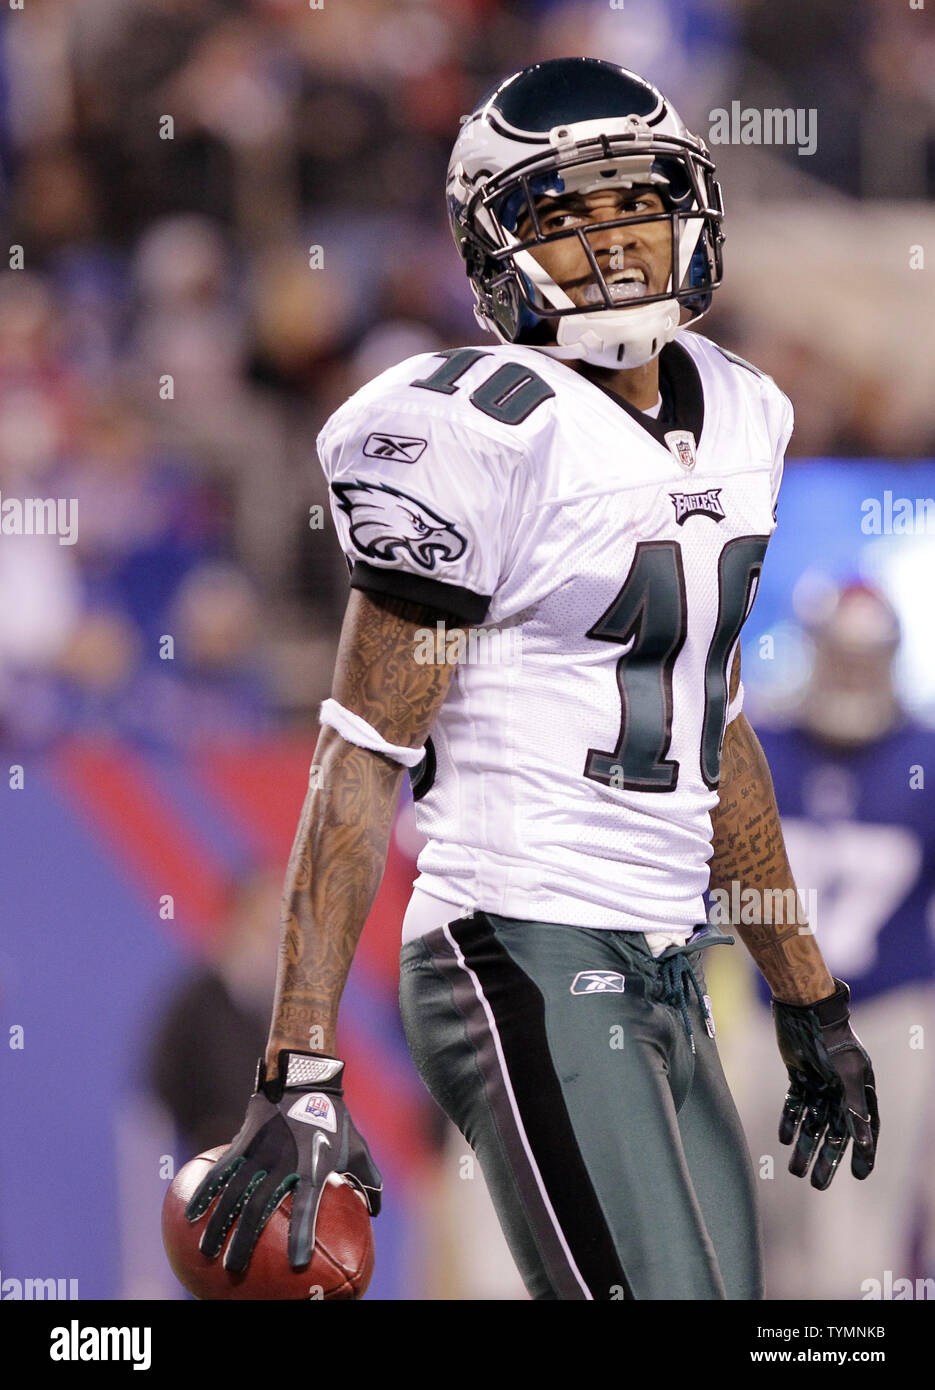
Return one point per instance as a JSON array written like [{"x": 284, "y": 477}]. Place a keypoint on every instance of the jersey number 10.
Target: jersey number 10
[{"x": 650, "y": 613}]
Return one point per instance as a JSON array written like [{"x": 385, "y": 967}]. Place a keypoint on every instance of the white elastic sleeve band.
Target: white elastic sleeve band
[
  {"x": 735, "y": 706},
  {"x": 357, "y": 730}
]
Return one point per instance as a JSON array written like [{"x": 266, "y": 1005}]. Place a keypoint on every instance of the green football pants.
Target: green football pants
[{"x": 585, "y": 1076}]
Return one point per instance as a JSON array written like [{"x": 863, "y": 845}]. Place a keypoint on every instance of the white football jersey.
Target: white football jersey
[{"x": 603, "y": 563}]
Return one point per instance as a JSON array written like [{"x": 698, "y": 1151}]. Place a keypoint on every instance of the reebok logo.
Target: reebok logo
[
  {"x": 400, "y": 448},
  {"x": 598, "y": 982}
]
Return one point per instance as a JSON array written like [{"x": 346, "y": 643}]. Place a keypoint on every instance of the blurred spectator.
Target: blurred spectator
[
  {"x": 189, "y": 323},
  {"x": 209, "y": 1033},
  {"x": 144, "y": 520},
  {"x": 214, "y": 688}
]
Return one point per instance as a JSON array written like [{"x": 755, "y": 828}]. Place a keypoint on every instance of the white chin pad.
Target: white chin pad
[{"x": 623, "y": 338}]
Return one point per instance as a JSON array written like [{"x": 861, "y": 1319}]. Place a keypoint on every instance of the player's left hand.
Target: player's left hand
[{"x": 832, "y": 1091}]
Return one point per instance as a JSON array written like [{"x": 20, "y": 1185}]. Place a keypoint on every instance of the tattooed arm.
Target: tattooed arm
[
  {"x": 340, "y": 847},
  {"x": 337, "y": 861},
  {"x": 749, "y": 850}
]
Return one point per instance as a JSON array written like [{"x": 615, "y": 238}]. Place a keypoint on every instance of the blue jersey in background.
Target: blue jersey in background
[{"x": 860, "y": 830}]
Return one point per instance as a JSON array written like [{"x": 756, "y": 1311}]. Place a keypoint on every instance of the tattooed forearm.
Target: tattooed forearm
[
  {"x": 333, "y": 875},
  {"x": 749, "y": 852},
  {"x": 340, "y": 846}
]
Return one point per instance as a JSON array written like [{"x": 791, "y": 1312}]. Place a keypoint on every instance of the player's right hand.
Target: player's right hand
[{"x": 297, "y": 1130}]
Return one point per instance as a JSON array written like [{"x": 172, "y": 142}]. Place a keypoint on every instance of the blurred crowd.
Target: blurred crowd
[{"x": 231, "y": 216}]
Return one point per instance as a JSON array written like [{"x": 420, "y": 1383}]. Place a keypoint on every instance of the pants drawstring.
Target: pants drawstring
[{"x": 678, "y": 979}]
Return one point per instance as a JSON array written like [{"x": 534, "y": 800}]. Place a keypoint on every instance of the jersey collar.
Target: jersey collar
[{"x": 682, "y": 396}]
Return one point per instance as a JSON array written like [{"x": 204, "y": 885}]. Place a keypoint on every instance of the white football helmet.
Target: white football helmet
[{"x": 577, "y": 125}]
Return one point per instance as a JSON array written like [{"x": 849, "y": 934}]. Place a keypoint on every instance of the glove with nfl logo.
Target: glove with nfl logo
[
  {"x": 832, "y": 1089},
  {"x": 297, "y": 1130}
]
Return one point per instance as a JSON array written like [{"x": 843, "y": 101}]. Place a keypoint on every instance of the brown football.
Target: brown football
[{"x": 340, "y": 1268}]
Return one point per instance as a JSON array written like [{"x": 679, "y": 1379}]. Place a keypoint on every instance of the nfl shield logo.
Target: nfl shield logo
[
  {"x": 314, "y": 1109},
  {"x": 682, "y": 445}
]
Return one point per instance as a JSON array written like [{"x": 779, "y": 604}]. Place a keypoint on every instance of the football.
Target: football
[{"x": 340, "y": 1268}]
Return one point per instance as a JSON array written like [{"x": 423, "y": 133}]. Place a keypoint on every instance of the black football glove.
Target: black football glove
[
  {"x": 832, "y": 1090},
  {"x": 297, "y": 1130}
]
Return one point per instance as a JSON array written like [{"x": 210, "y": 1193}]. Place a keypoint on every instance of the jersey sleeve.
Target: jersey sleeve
[
  {"x": 781, "y": 421},
  {"x": 424, "y": 504}
]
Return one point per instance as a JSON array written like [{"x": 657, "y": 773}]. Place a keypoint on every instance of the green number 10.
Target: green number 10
[{"x": 650, "y": 614}]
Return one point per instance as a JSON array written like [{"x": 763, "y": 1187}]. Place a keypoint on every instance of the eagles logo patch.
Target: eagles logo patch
[
  {"x": 386, "y": 522},
  {"x": 688, "y": 504}
]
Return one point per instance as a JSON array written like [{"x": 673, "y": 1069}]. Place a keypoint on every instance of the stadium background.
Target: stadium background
[{"x": 145, "y": 778}]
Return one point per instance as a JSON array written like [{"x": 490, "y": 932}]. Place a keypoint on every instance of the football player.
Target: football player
[{"x": 596, "y": 491}]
